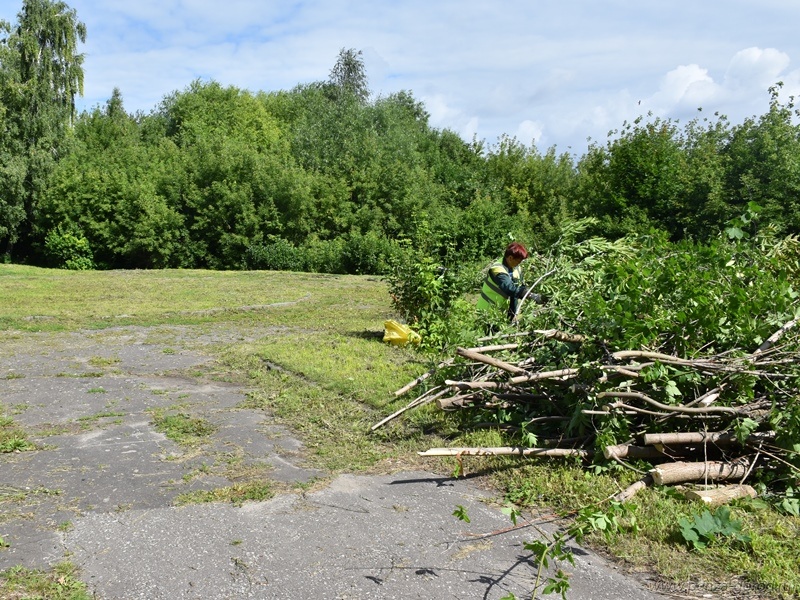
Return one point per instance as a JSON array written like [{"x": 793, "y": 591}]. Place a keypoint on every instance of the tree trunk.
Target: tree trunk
[
  {"x": 721, "y": 495},
  {"x": 681, "y": 472},
  {"x": 631, "y": 451},
  {"x": 505, "y": 451},
  {"x": 633, "y": 489}
]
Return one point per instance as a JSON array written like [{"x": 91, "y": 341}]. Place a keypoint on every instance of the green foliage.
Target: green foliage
[
  {"x": 790, "y": 502},
  {"x": 41, "y": 71},
  {"x": 537, "y": 189},
  {"x": 113, "y": 188},
  {"x": 369, "y": 253},
  {"x": 637, "y": 179},
  {"x": 62, "y": 582},
  {"x": 349, "y": 76},
  {"x": 68, "y": 250},
  {"x": 182, "y": 428},
  {"x": 706, "y": 529},
  {"x": 615, "y": 518},
  {"x": 12, "y": 438},
  {"x": 461, "y": 514},
  {"x": 276, "y": 254},
  {"x": 215, "y": 173},
  {"x": 761, "y": 164},
  {"x": 324, "y": 256},
  {"x": 428, "y": 292},
  {"x": 718, "y": 299}
]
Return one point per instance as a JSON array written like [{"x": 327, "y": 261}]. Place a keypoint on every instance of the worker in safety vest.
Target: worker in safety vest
[{"x": 503, "y": 286}]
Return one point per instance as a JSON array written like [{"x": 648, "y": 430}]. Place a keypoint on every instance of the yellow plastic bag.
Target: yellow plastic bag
[{"x": 398, "y": 334}]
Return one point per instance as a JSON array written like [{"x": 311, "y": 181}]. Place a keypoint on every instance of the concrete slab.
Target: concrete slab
[
  {"x": 100, "y": 491},
  {"x": 360, "y": 537}
]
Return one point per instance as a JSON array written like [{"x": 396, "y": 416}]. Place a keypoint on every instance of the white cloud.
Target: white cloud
[
  {"x": 557, "y": 71},
  {"x": 685, "y": 87},
  {"x": 530, "y": 132},
  {"x": 754, "y": 68}
]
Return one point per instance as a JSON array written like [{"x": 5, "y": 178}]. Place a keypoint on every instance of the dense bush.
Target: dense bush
[
  {"x": 68, "y": 250},
  {"x": 276, "y": 254}
]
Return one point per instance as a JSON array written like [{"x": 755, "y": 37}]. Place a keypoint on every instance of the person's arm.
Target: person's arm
[{"x": 506, "y": 283}]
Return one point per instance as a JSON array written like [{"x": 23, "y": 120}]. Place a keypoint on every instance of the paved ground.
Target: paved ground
[{"x": 100, "y": 491}]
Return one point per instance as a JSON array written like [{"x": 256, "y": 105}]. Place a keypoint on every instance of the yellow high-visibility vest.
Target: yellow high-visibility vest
[{"x": 491, "y": 294}]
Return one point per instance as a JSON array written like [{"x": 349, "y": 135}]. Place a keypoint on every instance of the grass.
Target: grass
[
  {"x": 236, "y": 494},
  {"x": 89, "y": 420},
  {"x": 314, "y": 360},
  {"x": 12, "y": 437},
  {"x": 183, "y": 429},
  {"x": 60, "y": 583}
]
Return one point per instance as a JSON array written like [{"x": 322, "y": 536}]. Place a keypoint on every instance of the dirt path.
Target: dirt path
[{"x": 100, "y": 490}]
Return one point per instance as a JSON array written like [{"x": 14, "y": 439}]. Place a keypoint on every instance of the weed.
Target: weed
[
  {"x": 609, "y": 519},
  {"x": 236, "y": 494},
  {"x": 103, "y": 361},
  {"x": 12, "y": 439},
  {"x": 706, "y": 529},
  {"x": 81, "y": 375},
  {"x": 61, "y": 582},
  {"x": 181, "y": 428},
  {"x": 100, "y": 415},
  {"x": 15, "y": 444}
]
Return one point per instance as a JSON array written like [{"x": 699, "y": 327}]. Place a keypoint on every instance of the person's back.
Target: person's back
[{"x": 503, "y": 287}]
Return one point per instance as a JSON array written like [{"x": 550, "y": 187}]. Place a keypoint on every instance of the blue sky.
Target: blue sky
[{"x": 550, "y": 72}]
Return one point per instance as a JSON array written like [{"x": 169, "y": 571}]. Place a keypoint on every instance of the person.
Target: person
[{"x": 503, "y": 287}]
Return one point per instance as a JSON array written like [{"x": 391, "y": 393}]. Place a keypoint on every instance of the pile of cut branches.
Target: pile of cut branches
[
  {"x": 677, "y": 360},
  {"x": 569, "y": 411}
]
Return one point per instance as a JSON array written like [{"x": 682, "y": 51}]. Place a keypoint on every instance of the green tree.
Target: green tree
[
  {"x": 238, "y": 183},
  {"x": 537, "y": 189},
  {"x": 706, "y": 201},
  {"x": 349, "y": 76},
  {"x": 41, "y": 71},
  {"x": 637, "y": 181},
  {"x": 113, "y": 189},
  {"x": 762, "y": 164}
]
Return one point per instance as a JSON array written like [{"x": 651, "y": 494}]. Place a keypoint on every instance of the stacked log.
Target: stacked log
[{"x": 705, "y": 444}]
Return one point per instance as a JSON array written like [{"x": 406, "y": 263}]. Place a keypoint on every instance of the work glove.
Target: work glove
[{"x": 538, "y": 298}]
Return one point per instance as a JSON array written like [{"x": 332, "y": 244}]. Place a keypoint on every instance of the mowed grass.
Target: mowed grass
[
  {"x": 310, "y": 349},
  {"x": 35, "y": 299}
]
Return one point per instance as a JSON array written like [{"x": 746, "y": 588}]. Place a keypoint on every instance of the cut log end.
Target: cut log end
[{"x": 721, "y": 495}]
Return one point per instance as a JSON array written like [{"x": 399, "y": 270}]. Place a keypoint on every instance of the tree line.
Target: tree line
[{"x": 325, "y": 177}]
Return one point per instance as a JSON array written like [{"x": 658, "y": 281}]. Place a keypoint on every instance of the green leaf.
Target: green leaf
[
  {"x": 672, "y": 390},
  {"x": 511, "y": 512},
  {"x": 461, "y": 513}
]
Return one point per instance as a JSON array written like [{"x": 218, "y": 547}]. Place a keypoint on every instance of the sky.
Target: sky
[{"x": 552, "y": 73}]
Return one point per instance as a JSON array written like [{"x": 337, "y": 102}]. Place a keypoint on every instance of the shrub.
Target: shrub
[
  {"x": 275, "y": 255},
  {"x": 324, "y": 256},
  {"x": 68, "y": 249},
  {"x": 430, "y": 296},
  {"x": 367, "y": 254}
]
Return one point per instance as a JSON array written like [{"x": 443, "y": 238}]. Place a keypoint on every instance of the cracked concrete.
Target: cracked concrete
[{"x": 100, "y": 490}]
